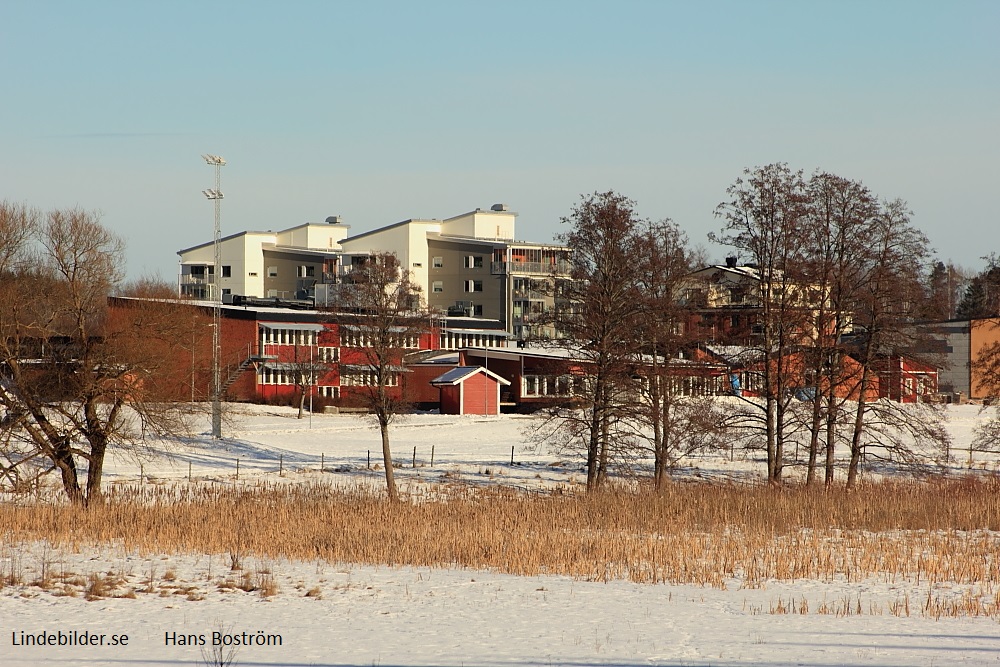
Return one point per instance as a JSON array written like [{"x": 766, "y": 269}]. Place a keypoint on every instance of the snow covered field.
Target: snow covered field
[{"x": 345, "y": 614}]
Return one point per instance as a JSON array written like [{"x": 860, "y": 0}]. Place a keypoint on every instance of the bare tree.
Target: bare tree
[
  {"x": 667, "y": 424},
  {"x": 837, "y": 232},
  {"x": 306, "y": 369},
  {"x": 887, "y": 300},
  {"x": 78, "y": 378},
  {"x": 764, "y": 220},
  {"x": 603, "y": 307},
  {"x": 383, "y": 307}
]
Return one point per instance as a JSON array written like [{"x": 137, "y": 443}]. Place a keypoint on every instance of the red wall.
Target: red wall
[
  {"x": 451, "y": 399},
  {"x": 480, "y": 395}
]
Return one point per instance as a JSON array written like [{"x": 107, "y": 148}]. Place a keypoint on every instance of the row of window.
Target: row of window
[
  {"x": 272, "y": 336},
  {"x": 302, "y": 271},
  {"x": 551, "y": 385},
  {"x": 453, "y": 341},
  {"x": 360, "y": 338},
  {"x": 327, "y": 391},
  {"x": 568, "y": 385},
  {"x": 276, "y": 376},
  {"x": 285, "y": 376},
  {"x": 366, "y": 379},
  {"x": 467, "y": 285},
  {"x": 470, "y": 261}
]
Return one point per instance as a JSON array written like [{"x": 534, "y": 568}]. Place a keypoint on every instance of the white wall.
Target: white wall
[
  {"x": 482, "y": 225},
  {"x": 313, "y": 236},
  {"x": 408, "y": 241}
]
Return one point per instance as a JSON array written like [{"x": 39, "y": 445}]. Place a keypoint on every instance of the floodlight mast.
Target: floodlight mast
[{"x": 215, "y": 194}]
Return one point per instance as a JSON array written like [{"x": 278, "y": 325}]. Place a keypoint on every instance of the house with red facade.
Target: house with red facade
[
  {"x": 271, "y": 350},
  {"x": 469, "y": 390},
  {"x": 905, "y": 380}
]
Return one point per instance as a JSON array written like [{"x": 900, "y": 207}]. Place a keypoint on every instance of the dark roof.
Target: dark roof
[{"x": 461, "y": 373}]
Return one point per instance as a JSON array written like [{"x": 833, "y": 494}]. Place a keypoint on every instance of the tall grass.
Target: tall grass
[{"x": 689, "y": 533}]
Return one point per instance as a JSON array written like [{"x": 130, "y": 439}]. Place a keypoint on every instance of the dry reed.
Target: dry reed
[{"x": 687, "y": 533}]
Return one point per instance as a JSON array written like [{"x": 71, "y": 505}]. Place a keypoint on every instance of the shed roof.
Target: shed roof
[{"x": 462, "y": 373}]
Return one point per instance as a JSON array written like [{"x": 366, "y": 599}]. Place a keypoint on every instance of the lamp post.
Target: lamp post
[{"x": 215, "y": 194}]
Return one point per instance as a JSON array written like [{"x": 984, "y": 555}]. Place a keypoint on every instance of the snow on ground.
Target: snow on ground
[{"x": 346, "y": 614}]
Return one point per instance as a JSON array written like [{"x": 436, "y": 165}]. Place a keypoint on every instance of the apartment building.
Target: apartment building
[
  {"x": 468, "y": 265},
  {"x": 286, "y": 264}
]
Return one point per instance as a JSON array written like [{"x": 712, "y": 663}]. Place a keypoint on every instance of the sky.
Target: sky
[{"x": 384, "y": 111}]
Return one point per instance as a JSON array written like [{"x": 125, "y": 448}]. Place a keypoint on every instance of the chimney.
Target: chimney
[{"x": 731, "y": 262}]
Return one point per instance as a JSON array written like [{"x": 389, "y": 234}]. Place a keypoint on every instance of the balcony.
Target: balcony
[
  {"x": 197, "y": 287},
  {"x": 529, "y": 268},
  {"x": 187, "y": 279}
]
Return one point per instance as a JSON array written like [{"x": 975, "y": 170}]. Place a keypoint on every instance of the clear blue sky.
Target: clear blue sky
[{"x": 382, "y": 111}]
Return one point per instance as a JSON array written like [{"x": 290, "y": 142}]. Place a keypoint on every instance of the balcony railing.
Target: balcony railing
[
  {"x": 533, "y": 268},
  {"x": 197, "y": 280}
]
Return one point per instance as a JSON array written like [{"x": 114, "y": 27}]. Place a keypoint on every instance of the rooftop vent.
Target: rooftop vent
[
  {"x": 498, "y": 207},
  {"x": 731, "y": 262},
  {"x": 334, "y": 220}
]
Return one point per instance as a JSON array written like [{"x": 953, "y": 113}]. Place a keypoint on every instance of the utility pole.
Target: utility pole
[{"x": 216, "y": 195}]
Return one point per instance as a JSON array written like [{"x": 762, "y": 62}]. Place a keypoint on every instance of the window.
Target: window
[
  {"x": 328, "y": 391},
  {"x": 358, "y": 337},
  {"x": 418, "y": 265},
  {"x": 198, "y": 271},
  {"x": 252, "y": 274},
  {"x": 477, "y": 310},
  {"x": 227, "y": 271},
  {"x": 548, "y": 385},
  {"x": 272, "y": 272},
  {"x": 473, "y": 285},
  {"x": 328, "y": 354},
  {"x": 367, "y": 378},
  {"x": 437, "y": 286},
  {"x": 305, "y": 271},
  {"x": 437, "y": 262},
  {"x": 275, "y": 336},
  {"x": 474, "y": 261}
]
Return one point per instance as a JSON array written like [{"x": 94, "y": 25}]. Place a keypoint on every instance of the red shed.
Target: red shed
[{"x": 470, "y": 390}]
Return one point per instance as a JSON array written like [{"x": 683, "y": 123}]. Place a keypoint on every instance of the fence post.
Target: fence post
[
  {"x": 237, "y": 468},
  {"x": 369, "y": 459},
  {"x": 281, "y": 465},
  {"x": 512, "y": 454},
  {"x": 414, "y": 464},
  {"x": 322, "y": 462},
  {"x": 189, "y": 472},
  {"x": 432, "y": 456}
]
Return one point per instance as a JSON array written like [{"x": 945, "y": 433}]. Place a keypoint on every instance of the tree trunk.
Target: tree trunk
[
  {"x": 390, "y": 480},
  {"x": 602, "y": 470},
  {"x": 831, "y": 437},
  {"x": 779, "y": 440},
  {"x": 859, "y": 429},
  {"x": 594, "y": 441},
  {"x": 95, "y": 471},
  {"x": 63, "y": 459},
  {"x": 815, "y": 428},
  {"x": 771, "y": 407},
  {"x": 660, "y": 444}
]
